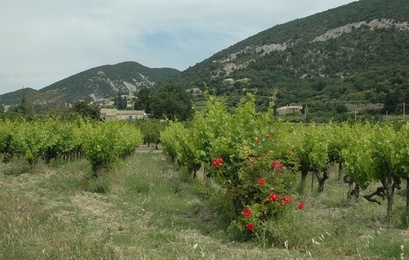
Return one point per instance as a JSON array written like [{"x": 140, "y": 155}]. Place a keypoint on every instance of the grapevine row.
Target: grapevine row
[
  {"x": 102, "y": 143},
  {"x": 370, "y": 153}
]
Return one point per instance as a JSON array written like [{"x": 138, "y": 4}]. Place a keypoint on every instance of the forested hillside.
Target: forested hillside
[{"x": 352, "y": 57}]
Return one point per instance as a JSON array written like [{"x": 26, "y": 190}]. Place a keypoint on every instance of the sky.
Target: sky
[{"x": 44, "y": 41}]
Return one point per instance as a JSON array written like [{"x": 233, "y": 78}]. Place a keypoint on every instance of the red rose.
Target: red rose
[
  {"x": 261, "y": 181},
  {"x": 301, "y": 205},
  {"x": 247, "y": 212},
  {"x": 250, "y": 227},
  {"x": 217, "y": 162},
  {"x": 273, "y": 197},
  {"x": 287, "y": 198},
  {"x": 276, "y": 164}
]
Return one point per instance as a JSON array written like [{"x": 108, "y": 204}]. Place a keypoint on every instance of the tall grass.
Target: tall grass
[{"x": 145, "y": 209}]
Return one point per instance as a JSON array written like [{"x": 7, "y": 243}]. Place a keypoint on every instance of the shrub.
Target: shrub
[{"x": 259, "y": 185}]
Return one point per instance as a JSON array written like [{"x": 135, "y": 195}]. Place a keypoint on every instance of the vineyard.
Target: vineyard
[
  {"x": 256, "y": 172},
  {"x": 241, "y": 152},
  {"x": 101, "y": 143}
]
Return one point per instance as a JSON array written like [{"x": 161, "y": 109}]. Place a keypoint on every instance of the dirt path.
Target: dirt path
[{"x": 145, "y": 149}]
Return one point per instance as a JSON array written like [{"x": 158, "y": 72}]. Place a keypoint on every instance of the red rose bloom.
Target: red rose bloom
[
  {"x": 286, "y": 199},
  {"x": 261, "y": 181},
  {"x": 301, "y": 205},
  {"x": 217, "y": 162},
  {"x": 250, "y": 227},
  {"x": 273, "y": 197},
  {"x": 276, "y": 164},
  {"x": 247, "y": 212}
]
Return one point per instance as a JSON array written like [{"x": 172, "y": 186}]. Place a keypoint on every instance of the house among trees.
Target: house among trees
[
  {"x": 122, "y": 114},
  {"x": 282, "y": 111}
]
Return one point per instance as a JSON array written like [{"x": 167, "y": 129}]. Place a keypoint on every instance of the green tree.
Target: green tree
[
  {"x": 172, "y": 102},
  {"x": 120, "y": 102},
  {"x": 143, "y": 100},
  {"x": 341, "y": 108},
  {"x": 85, "y": 110},
  {"x": 393, "y": 101},
  {"x": 25, "y": 107}
]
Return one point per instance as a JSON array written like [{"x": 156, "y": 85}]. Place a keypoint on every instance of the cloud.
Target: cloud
[{"x": 45, "y": 41}]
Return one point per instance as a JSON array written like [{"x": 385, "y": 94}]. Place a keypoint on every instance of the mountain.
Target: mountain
[
  {"x": 100, "y": 82},
  {"x": 352, "y": 56},
  {"x": 16, "y": 96}
]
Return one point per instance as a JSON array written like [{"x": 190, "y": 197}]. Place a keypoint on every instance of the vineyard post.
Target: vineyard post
[
  {"x": 407, "y": 195},
  {"x": 355, "y": 112}
]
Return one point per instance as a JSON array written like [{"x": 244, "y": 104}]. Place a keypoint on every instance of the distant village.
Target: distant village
[{"x": 108, "y": 110}]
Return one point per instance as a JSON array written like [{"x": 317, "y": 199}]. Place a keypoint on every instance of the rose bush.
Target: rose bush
[
  {"x": 259, "y": 185},
  {"x": 252, "y": 167}
]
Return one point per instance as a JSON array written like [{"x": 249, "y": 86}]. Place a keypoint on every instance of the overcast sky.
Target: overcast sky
[{"x": 44, "y": 41}]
